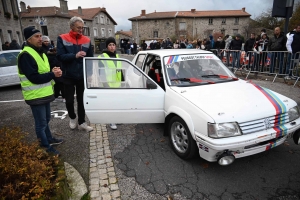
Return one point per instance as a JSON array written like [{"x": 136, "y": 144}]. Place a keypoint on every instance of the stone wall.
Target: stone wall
[
  {"x": 9, "y": 25},
  {"x": 195, "y": 27}
]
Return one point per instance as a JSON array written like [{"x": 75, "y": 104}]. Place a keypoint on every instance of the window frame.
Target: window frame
[
  {"x": 182, "y": 26},
  {"x": 155, "y": 34},
  {"x": 44, "y": 30},
  {"x": 236, "y": 20}
]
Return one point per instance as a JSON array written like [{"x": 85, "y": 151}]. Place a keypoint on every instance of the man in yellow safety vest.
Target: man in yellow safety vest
[{"x": 37, "y": 86}]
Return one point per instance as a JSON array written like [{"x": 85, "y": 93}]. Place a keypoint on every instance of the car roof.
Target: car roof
[
  {"x": 10, "y": 51},
  {"x": 169, "y": 52}
]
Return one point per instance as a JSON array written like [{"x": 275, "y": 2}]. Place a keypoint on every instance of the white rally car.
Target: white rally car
[{"x": 204, "y": 106}]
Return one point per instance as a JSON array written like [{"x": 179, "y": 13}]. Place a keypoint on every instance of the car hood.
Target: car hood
[{"x": 238, "y": 101}]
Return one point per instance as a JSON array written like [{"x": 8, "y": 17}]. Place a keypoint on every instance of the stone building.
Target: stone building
[
  {"x": 189, "y": 24},
  {"x": 53, "y": 21},
  {"x": 10, "y": 25},
  {"x": 123, "y": 36}
]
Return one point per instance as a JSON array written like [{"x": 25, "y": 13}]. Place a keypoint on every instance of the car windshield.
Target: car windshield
[{"x": 197, "y": 69}]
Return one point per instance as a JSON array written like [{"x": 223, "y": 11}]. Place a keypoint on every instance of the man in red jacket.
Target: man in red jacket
[{"x": 72, "y": 47}]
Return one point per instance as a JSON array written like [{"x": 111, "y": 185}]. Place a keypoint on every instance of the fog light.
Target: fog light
[
  {"x": 226, "y": 158},
  {"x": 296, "y": 137}
]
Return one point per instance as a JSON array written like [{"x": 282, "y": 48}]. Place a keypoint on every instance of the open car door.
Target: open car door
[{"x": 116, "y": 91}]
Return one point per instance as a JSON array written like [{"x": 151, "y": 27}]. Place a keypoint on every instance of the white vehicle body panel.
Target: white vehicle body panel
[
  {"x": 8, "y": 68},
  {"x": 233, "y": 101}
]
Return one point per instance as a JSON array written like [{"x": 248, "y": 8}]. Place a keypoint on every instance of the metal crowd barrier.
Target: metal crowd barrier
[{"x": 272, "y": 63}]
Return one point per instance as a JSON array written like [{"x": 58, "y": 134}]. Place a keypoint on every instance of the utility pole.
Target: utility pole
[{"x": 289, "y": 13}]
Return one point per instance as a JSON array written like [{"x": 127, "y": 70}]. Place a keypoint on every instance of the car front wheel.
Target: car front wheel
[{"x": 180, "y": 138}]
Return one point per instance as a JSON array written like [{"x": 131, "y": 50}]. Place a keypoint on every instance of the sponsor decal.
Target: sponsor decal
[
  {"x": 204, "y": 148},
  {"x": 178, "y": 58}
]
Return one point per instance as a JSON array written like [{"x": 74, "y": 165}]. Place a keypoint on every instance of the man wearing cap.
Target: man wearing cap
[
  {"x": 72, "y": 47},
  {"x": 37, "y": 86},
  {"x": 114, "y": 80}
]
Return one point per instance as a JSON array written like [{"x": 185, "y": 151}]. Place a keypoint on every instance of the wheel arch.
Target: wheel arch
[{"x": 176, "y": 111}]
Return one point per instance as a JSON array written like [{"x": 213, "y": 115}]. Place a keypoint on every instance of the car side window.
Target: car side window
[
  {"x": 113, "y": 74},
  {"x": 139, "y": 60}
]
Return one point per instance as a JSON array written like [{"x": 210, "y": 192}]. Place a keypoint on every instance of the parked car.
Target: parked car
[
  {"x": 204, "y": 106},
  {"x": 8, "y": 68}
]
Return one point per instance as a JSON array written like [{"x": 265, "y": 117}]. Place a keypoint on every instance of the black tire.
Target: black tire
[{"x": 180, "y": 138}]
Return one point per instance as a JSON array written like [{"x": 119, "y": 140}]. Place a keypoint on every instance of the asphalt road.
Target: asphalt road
[
  {"x": 15, "y": 112},
  {"x": 147, "y": 168}
]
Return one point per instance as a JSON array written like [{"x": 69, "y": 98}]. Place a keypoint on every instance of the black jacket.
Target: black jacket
[
  {"x": 277, "y": 43},
  {"x": 220, "y": 44},
  {"x": 14, "y": 45},
  {"x": 250, "y": 43},
  {"x": 236, "y": 44},
  {"x": 144, "y": 45}
]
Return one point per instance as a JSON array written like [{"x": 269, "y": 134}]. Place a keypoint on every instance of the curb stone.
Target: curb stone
[
  {"x": 75, "y": 181},
  {"x": 103, "y": 184}
]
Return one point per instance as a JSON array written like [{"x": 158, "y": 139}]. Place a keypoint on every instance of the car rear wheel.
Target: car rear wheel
[{"x": 180, "y": 138}]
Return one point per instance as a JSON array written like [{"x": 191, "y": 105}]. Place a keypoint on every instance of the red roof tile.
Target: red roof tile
[
  {"x": 127, "y": 33},
  {"x": 208, "y": 13},
  {"x": 87, "y": 13}
]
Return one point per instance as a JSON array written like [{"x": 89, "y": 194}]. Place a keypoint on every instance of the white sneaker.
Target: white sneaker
[
  {"x": 113, "y": 126},
  {"x": 84, "y": 126},
  {"x": 73, "y": 123}
]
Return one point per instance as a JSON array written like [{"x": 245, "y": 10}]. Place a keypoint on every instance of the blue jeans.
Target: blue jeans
[
  {"x": 42, "y": 116},
  {"x": 277, "y": 57},
  {"x": 236, "y": 55}
]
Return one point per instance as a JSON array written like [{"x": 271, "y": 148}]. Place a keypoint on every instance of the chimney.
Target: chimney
[
  {"x": 64, "y": 6},
  {"x": 244, "y": 9},
  {"x": 23, "y": 6},
  {"x": 193, "y": 10},
  {"x": 79, "y": 10},
  {"x": 28, "y": 8},
  {"x": 143, "y": 13}
]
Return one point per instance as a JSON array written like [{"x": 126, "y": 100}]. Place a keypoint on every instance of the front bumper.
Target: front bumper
[{"x": 245, "y": 145}]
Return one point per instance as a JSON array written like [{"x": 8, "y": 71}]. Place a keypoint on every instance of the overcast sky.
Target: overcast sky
[{"x": 122, "y": 10}]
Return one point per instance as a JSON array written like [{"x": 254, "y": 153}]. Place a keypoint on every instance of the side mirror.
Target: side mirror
[
  {"x": 150, "y": 84},
  {"x": 296, "y": 137}
]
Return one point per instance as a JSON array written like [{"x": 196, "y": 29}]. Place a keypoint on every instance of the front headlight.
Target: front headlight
[
  {"x": 223, "y": 130},
  {"x": 293, "y": 113}
]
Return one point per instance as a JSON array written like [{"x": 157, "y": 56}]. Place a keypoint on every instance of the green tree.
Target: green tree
[
  {"x": 295, "y": 19},
  {"x": 266, "y": 20}
]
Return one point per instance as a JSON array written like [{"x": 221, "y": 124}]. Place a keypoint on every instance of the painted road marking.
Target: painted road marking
[
  {"x": 56, "y": 114},
  {"x": 11, "y": 101}
]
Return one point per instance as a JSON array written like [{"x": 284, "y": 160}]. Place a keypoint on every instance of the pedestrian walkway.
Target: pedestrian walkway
[{"x": 103, "y": 184}]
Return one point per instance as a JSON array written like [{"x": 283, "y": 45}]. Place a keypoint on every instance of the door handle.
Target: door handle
[{"x": 92, "y": 96}]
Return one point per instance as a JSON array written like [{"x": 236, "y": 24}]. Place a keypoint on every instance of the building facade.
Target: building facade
[
  {"x": 123, "y": 36},
  {"x": 10, "y": 25},
  {"x": 189, "y": 24},
  {"x": 53, "y": 21}
]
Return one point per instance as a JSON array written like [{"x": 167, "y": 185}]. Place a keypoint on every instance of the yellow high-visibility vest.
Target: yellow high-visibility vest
[
  {"x": 112, "y": 74},
  {"x": 30, "y": 90}
]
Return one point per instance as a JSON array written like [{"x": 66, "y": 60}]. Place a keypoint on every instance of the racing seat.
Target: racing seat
[{"x": 156, "y": 75}]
